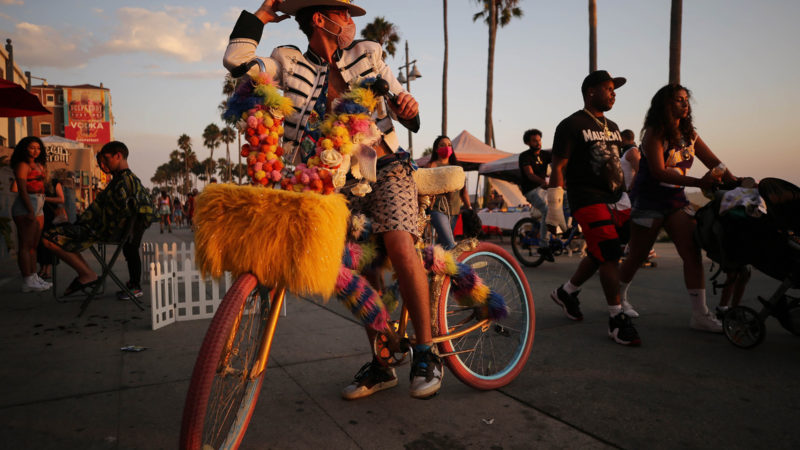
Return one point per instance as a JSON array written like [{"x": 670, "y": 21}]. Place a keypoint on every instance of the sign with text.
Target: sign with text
[{"x": 87, "y": 115}]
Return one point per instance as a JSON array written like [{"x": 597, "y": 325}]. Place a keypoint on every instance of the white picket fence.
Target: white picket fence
[
  {"x": 177, "y": 291},
  {"x": 175, "y": 252}
]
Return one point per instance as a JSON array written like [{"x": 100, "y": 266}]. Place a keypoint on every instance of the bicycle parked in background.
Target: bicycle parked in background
[{"x": 529, "y": 249}]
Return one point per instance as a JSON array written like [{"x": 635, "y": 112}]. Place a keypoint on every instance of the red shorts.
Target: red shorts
[{"x": 605, "y": 229}]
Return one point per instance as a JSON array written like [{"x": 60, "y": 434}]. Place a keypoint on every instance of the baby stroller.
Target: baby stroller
[{"x": 769, "y": 243}]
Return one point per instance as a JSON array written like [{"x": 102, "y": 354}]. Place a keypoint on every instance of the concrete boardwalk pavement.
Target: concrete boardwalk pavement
[{"x": 66, "y": 384}]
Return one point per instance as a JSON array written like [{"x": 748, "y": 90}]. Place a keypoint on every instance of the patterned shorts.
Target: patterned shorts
[{"x": 392, "y": 204}]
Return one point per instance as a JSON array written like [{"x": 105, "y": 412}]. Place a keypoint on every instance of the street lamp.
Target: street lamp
[
  {"x": 406, "y": 78},
  {"x": 31, "y": 77}
]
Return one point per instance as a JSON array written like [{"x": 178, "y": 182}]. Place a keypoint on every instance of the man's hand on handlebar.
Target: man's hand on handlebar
[
  {"x": 404, "y": 106},
  {"x": 267, "y": 12}
]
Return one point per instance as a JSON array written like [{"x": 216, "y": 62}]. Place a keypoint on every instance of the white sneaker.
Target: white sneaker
[
  {"x": 30, "y": 284},
  {"x": 46, "y": 284},
  {"x": 627, "y": 308},
  {"x": 705, "y": 322},
  {"x": 426, "y": 375}
]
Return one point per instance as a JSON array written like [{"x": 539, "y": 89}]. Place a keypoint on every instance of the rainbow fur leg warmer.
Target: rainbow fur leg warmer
[
  {"x": 361, "y": 299},
  {"x": 467, "y": 287}
]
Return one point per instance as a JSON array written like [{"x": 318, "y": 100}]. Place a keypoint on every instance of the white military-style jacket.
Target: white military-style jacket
[{"x": 301, "y": 76}]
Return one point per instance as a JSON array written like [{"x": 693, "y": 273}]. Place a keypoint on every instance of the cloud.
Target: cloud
[
  {"x": 174, "y": 32},
  {"x": 12, "y": 2},
  {"x": 168, "y": 32},
  {"x": 44, "y": 46}
]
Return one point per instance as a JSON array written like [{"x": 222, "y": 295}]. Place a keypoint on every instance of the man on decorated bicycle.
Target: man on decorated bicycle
[{"x": 313, "y": 80}]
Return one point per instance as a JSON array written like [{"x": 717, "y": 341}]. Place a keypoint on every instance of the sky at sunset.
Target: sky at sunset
[{"x": 162, "y": 64}]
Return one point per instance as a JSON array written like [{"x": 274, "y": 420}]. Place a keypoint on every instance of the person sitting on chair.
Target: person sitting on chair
[{"x": 105, "y": 219}]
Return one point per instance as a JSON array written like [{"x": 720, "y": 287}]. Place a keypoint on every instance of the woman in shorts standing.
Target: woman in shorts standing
[
  {"x": 28, "y": 163},
  {"x": 165, "y": 211}
]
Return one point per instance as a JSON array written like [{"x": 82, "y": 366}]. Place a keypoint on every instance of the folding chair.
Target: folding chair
[{"x": 107, "y": 267}]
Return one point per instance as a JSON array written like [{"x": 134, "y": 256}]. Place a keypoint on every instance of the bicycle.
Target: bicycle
[
  {"x": 527, "y": 246},
  {"x": 482, "y": 352}
]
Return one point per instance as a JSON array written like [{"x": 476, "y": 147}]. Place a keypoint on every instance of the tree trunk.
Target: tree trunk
[
  {"x": 228, "y": 176},
  {"x": 675, "y": 42},
  {"x": 592, "y": 36},
  {"x": 444, "y": 72},
  {"x": 239, "y": 151},
  {"x": 487, "y": 137}
]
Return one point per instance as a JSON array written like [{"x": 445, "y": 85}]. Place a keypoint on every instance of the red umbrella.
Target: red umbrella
[{"x": 15, "y": 101}]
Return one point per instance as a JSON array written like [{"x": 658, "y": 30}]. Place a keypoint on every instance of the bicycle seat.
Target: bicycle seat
[
  {"x": 284, "y": 238},
  {"x": 438, "y": 180}
]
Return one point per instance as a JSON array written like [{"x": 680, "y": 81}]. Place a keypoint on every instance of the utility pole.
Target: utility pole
[{"x": 406, "y": 78}]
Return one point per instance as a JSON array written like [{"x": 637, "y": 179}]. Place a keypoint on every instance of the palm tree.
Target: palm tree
[
  {"x": 228, "y": 87},
  {"x": 228, "y": 135},
  {"x": 495, "y": 12},
  {"x": 592, "y": 36},
  {"x": 211, "y": 140},
  {"x": 675, "y": 42},
  {"x": 188, "y": 157},
  {"x": 383, "y": 32},
  {"x": 444, "y": 72}
]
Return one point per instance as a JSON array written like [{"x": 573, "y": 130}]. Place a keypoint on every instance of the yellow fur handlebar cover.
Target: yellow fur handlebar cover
[
  {"x": 438, "y": 180},
  {"x": 284, "y": 238}
]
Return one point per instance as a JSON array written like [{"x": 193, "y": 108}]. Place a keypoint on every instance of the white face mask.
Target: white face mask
[{"x": 345, "y": 36}]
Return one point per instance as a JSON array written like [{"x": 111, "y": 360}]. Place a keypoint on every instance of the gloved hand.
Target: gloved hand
[{"x": 555, "y": 209}]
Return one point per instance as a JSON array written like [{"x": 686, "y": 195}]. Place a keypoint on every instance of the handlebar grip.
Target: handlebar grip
[
  {"x": 381, "y": 89},
  {"x": 243, "y": 68}
]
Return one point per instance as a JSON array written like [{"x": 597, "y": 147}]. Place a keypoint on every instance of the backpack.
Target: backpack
[{"x": 471, "y": 223}]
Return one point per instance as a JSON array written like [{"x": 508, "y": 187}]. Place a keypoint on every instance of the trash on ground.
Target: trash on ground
[{"x": 133, "y": 348}]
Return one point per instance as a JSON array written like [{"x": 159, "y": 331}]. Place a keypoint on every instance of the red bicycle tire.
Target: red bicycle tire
[{"x": 205, "y": 371}]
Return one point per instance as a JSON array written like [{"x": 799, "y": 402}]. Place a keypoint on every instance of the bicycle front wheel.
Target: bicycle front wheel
[
  {"x": 492, "y": 356},
  {"x": 223, "y": 390},
  {"x": 525, "y": 242}
]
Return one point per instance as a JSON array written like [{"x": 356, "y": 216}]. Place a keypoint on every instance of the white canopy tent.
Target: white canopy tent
[{"x": 510, "y": 192}]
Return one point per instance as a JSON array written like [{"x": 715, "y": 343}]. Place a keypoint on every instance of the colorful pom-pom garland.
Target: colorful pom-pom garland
[{"x": 258, "y": 109}]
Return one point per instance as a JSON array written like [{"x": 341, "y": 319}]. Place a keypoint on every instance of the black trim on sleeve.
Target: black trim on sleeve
[
  {"x": 303, "y": 79},
  {"x": 248, "y": 26},
  {"x": 297, "y": 92},
  {"x": 355, "y": 61},
  {"x": 302, "y": 64}
]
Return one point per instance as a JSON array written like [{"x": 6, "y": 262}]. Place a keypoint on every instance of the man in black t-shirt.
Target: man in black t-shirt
[
  {"x": 533, "y": 164},
  {"x": 586, "y": 154}
]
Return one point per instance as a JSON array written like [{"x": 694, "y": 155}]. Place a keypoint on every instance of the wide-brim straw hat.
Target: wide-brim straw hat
[{"x": 292, "y": 6}]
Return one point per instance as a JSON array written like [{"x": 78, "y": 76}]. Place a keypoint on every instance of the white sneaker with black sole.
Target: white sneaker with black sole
[{"x": 426, "y": 374}]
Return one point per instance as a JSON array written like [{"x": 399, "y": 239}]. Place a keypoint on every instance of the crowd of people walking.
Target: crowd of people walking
[{"x": 622, "y": 195}]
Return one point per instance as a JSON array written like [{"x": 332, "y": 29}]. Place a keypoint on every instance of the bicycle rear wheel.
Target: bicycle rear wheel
[
  {"x": 493, "y": 356},
  {"x": 525, "y": 242},
  {"x": 222, "y": 393}
]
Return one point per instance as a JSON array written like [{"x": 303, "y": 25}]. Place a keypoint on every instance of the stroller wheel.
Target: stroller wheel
[{"x": 743, "y": 327}]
